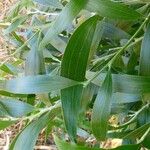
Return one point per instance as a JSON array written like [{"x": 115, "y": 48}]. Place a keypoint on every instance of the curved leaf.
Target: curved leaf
[
  {"x": 137, "y": 132},
  {"x": 73, "y": 66},
  {"x": 5, "y": 124},
  {"x": 62, "y": 145},
  {"x": 145, "y": 54},
  {"x": 69, "y": 12},
  {"x": 27, "y": 138},
  {"x": 15, "y": 108},
  {"x": 112, "y": 10},
  {"x": 36, "y": 84},
  {"x": 132, "y": 84},
  {"x": 15, "y": 24},
  {"x": 102, "y": 109}
]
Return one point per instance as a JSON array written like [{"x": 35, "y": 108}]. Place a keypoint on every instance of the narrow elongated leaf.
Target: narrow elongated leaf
[
  {"x": 27, "y": 138},
  {"x": 137, "y": 133},
  {"x": 53, "y": 3},
  {"x": 146, "y": 143},
  {"x": 70, "y": 98},
  {"x": 77, "y": 52},
  {"x": 8, "y": 68},
  {"x": 113, "y": 10},
  {"x": 36, "y": 84},
  {"x": 132, "y": 84},
  {"x": 73, "y": 66},
  {"x": 4, "y": 93},
  {"x": 67, "y": 15},
  {"x": 145, "y": 54},
  {"x": 96, "y": 39},
  {"x": 15, "y": 108},
  {"x": 113, "y": 32},
  {"x": 102, "y": 109},
  {"x": 34, "y": 64},
  {"x": 3, "y": 111},
  {"x": 118, "y": 98},
  {"x": 62, "y": 145},
  {"x": 16, "y": 23},
  {"x": 5, "y": 124}
]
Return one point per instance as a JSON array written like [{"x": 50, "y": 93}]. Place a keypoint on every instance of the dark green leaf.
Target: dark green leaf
[
  {"x": 76, "y": 55},
  {"x": 145, "y": 54},
  {"x": 102, "y": 109},
  {"x": 146, "y": 142},
  {"x": 112, "y": 10},
  {"x": 73, "y": 66}
]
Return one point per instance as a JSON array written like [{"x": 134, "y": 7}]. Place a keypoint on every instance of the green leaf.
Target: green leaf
[
  {"x": 69, "y": 12},
  {"x": 132, "y": 62},
  {"x": 4, "y": 93},
  {"x": 123, "y": 83},
  {"x": 87, "y": 96},
  {"x": 137, "y": 133},
  {"x": 8, "y": 68},
  {"x": 16, "y": 108},
  {"x": 113, "y": 32},
  {"x": 62, "y": 145},
  {"x": 34, "y": 63},
  {"x": 146, "y": 142},
  {"x": 112, "y": 10},
  {"x": 73, "y": 66},
  {"x": 102, "y": 109},
  {"x": 53, "y": 3},
  {"x": 30, "y": 133},
  {"x": 118, "y": 98},
  {"x": 145, "y": 54},
  {"x": 18, "y": 21},
  {"x": 127, "y": 147},
  {"x": 70, "y": 98},
  {"x": 77, "y": 52},
  {"x": 27, "y": 138},
  {"x": 36, "y": 84},
  {"x": 5, "y": 124}
]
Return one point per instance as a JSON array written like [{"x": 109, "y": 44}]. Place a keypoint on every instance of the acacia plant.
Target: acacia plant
[{"x": 74, "y": 65}]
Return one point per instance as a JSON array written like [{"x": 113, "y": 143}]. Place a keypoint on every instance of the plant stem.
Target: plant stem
[
  {"x": 32, "y": 117},
  {"x": 144, "y": 136},
  {"x": 131, "y": 39},
  {"x": 135, "y": 116},
  {"x": 127, "y": 45}
]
